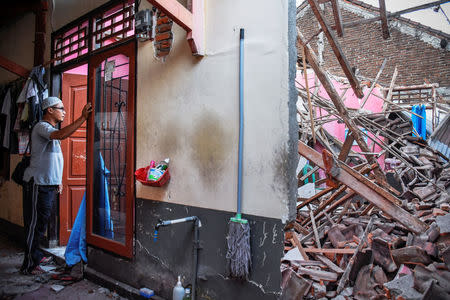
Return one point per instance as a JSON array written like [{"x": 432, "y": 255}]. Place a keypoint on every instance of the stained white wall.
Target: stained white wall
[{"x": 188, "y": 109}]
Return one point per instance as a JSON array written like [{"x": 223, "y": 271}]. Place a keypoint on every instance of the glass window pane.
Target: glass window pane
[{"x": 110, "y": 141}]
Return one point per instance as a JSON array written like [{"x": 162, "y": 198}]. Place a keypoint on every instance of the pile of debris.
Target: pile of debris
[
  {"x": 376, "y": 222},
  {"x": 365, "y": 232},
  {"x": 346, "y": 243}
]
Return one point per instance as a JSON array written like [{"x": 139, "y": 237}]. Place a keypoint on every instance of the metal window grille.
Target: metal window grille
[{"x": 103, "y": 28}]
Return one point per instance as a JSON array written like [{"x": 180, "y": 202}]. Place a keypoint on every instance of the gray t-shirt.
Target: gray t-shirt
[{"x": 47, "y": 162}]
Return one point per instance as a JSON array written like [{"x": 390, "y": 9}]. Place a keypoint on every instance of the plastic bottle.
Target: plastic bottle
[
  {"x": 163, "y": 165},
  {"x": 178, "y": 291},
  {"x": 155, "y": 173},
  {"x": 187, "y": 294}
]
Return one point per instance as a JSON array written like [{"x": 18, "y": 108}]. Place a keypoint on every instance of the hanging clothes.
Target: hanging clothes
[
  {"x": 36, "y": 92},
  {"x": 6, "y": 110},
  {"x": 420, "y": 124}
]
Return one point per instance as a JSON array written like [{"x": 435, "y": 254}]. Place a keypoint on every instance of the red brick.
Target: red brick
[{"x": 163, "y": 36}]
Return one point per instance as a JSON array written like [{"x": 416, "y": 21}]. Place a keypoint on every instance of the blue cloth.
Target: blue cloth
[
  {"x": 76, "y": 247},
  {"x": 420, "y": 124},
  {"x": 104, "y": 225}
]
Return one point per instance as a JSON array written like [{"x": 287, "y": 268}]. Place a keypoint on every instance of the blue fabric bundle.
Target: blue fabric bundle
[
  {"x": 76, "y": 247},
  {"x": 420, "y": 124}
]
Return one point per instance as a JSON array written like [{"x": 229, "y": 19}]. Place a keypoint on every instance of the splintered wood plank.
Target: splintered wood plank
[
  {"x": 374, "y": 83},
  {"x": 345, "y": 150},
  {"x": 297, "y": 243},
  {"x": 330, "y": 250},
  {"x": 316, "y": 196},
  {"x": 322, "y": 275},
  {"x": 330, "y": 264},
  {"x": 367, "y": 189}
]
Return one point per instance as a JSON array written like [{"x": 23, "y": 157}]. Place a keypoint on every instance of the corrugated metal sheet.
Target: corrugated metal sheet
[{"x": 440, "y": 139}]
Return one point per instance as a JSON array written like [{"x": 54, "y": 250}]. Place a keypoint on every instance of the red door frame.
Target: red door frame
[{"x": 126, "y": 249}]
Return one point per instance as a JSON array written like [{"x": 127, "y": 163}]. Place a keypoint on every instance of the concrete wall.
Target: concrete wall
[{"x": 188, "y": 110}]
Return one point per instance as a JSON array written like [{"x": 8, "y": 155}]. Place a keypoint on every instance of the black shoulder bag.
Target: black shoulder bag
[{"x": 17, "y": 174}]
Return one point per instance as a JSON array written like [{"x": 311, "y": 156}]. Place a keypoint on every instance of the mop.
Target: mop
[{"x": 238, "y": 239}]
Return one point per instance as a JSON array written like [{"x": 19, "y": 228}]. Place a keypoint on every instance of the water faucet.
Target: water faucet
[
  {"x": 162, "y": 223},
  {"x": 197, "y": 225}
]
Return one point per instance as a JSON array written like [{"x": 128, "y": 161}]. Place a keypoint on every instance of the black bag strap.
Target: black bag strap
[{"x": 28, "y": 145}]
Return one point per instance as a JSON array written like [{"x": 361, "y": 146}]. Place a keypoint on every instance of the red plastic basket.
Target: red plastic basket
[{"x": 141, "y": 176}]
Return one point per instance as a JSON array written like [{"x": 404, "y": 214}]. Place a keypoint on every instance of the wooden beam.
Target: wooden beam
[
  {"x": 175, "y": 11},
  {"x": 299, "y": 246},
  {"x": 414, "y": 87},
  {"x": 395, "y": 14},
  {"x": 345, "y": 150},
  {"x": 40, "y": 32},
  {"x": 340, "y": 106},
  {"x": 374, "y": 83},
  {"x": 330, "y": 250},
  {"x": 311, "y": 112},
  {"x": 391, "y": 88},
  {"x": 337, "y": 17},
  {"x": 319, "y": 274},
  {"x": 332, "y": 40},
  {"x": 384, "y": 21},
  {"x": 192, "y": 22},
  {"x": 367, "y": 189},
  {"x": 316, "y": 196},
  {"x": 13, "y": 67}
]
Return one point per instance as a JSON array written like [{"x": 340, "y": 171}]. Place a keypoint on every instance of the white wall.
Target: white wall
[{"x": 188, "y": 109}]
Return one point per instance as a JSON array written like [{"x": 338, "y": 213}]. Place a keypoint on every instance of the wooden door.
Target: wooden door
[
  {"x": 110, "y": 176},
  {"x": 74, "y": 97}
]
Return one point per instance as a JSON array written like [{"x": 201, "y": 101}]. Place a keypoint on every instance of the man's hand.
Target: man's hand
[
  {"x": 60, "y": 189},
  {"x": 87, "y": 109},
  {"x": 71, "y": 128}
]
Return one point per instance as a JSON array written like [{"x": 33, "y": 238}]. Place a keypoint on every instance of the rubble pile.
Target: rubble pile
[
  {"x": 356, "y": 251},
  {"x": 346, "y": 244},
  {"x": 372, "y": 221}
]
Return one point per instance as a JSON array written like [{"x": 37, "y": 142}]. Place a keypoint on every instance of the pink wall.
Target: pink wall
[
  {"x": 373, "y": 104},
  {"x": 121, "y": 69}
]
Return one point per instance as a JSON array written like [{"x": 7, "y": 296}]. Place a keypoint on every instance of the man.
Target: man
[{"x": 43, "y": 178}]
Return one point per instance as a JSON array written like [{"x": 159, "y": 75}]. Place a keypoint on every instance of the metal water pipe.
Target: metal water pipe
[{"x": 197, "y": 225}]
